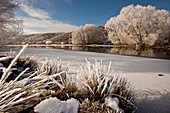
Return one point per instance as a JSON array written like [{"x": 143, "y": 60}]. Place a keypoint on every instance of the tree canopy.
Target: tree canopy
[
  {"x": 88, "y": 34},
  {"x": 140, "y": 25}
]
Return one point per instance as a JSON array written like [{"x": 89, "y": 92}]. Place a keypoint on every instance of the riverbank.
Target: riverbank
[
  {"x": 67, "y": 45},
  {"x": 143, "y": 73},
  {"x": 77, "y": 45}
]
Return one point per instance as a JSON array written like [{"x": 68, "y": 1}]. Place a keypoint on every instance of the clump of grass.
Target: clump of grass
[
  {"x": 52, "y": 66},
  {"x": 28, "y": 62},
  {"x": 21, "y": 63},
  {"x": 17, "y": 95},
  {"x": 96, "y": 82}
]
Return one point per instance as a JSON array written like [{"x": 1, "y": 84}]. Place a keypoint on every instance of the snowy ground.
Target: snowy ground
[{"x": 141, "y": 72}]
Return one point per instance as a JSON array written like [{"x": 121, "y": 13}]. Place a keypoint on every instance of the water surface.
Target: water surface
[{"x": 151, "y": 53}]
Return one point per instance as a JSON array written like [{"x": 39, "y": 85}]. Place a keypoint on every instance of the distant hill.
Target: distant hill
[
  {"x": 43, "y": 38},
  {"x": 48, "y": 38}
]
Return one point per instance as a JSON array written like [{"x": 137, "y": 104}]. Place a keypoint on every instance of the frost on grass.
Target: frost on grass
[
  {"x": 96, "y": 82},
  {"x": 95, "y": 86},
  {"x": 17, "y": 95}
]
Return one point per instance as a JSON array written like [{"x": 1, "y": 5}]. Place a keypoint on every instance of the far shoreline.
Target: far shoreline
[
  {"x": 107, "y": 49},
  {"x": 67, "y": 45},
  {"x": 87, "y": 45}
]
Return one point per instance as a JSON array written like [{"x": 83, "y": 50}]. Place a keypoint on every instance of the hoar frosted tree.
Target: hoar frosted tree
[
  {"x": 140, "y": 26},
  {"x": 9, "y": 26},
  {"x": 88, "y": 34}
]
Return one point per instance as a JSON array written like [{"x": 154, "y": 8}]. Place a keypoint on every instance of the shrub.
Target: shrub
[{"x": 89, "y": 34}]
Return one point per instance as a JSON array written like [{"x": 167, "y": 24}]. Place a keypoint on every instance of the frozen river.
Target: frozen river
[{"x": 126, "y": 64}]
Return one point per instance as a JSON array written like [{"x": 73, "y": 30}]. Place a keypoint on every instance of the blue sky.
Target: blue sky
[{"x": 41, "y": 16}]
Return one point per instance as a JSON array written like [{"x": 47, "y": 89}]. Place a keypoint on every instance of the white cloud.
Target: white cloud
[
  {"x": 35, "y": 12},
  {"x": 33, "y": 25},
  {"x": 39, "y": 21}
]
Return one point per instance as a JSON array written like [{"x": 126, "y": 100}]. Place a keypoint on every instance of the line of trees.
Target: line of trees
[
  {"x": 138, "y": 26},
  {"x": 10, "y": 27}
]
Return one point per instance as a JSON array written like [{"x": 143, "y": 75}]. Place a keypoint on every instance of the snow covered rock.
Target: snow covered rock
[{"x": 54, "y": 105}]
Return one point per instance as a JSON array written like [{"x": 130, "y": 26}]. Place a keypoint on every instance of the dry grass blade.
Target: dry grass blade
[
  {"x": 6, "y": 71},
  {"x": 30, "y": 90}
]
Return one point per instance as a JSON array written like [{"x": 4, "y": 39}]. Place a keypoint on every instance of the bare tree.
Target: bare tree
[
  {"x": 9, "y": 26},
  {"x": 88, "y": 34},
  {"x": 140, "y": 26}
]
